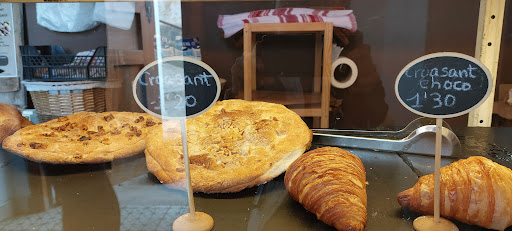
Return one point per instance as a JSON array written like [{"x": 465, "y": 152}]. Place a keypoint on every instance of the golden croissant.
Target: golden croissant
[
  {"x": 475, "y": 191},
  {"x": 331, "y": 183}
]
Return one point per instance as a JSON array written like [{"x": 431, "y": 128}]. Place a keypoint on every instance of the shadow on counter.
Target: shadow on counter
[{"x": 84, "y": 192}]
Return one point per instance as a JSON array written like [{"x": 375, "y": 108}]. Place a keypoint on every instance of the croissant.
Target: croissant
[
  {"x": 331, "y": 183},
  {"x": 475, "y": 191}
]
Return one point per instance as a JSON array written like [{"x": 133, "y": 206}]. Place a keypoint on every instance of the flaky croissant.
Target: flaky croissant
[
  {"x": 331, "y": 183},
  {"x": 475, "y": 191}
]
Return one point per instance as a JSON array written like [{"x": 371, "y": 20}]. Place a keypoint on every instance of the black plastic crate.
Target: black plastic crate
[{"x": 51, "y": 63}]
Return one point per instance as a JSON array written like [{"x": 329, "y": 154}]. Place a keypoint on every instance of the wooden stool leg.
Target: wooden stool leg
[
  {"x": 317, "y": 78},
  {"x": 326, "y": 76},
  {"x": 249, "y": 61}
]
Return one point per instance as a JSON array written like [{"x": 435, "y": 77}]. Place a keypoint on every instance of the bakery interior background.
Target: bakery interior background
[{"x": 390, "y": 34}]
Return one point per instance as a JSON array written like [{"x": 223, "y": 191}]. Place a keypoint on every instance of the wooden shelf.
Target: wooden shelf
[
  {"x": 304, "y": 104},
  {"x": 287, "y": 98}
]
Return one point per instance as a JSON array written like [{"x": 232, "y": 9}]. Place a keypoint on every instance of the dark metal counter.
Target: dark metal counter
[{"x": 122, "y": 195}]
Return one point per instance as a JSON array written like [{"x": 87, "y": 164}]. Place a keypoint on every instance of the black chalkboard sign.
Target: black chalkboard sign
[
  {"x": 443, "y": 85},
  {"x": 176, "y": 87}
]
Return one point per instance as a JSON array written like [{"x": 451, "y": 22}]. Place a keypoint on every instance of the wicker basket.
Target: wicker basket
[{"x": 57, "y": 99}]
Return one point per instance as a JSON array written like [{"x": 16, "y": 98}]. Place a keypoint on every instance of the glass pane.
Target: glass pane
[{"x": 119, "y": 96}]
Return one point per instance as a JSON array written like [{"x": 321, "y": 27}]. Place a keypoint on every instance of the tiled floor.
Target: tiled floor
[
  {"x": 133, "y": 218},
  {"x": 49, "y": 220}
]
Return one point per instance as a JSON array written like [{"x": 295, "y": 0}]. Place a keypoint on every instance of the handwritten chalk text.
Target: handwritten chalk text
[
  {"x": 176, "y": 80},
  {"x": 445, "y": 72}
]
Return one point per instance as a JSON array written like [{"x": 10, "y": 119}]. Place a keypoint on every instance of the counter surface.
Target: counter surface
[{"x": 122, "y": 195}]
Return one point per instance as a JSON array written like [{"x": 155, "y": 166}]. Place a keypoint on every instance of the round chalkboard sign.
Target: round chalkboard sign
[
  {"x": 176, "y": 87},
  {"x": 443, "y": 85}
]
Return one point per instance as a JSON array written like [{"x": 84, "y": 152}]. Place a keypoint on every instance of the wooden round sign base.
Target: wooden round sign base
[
  {"x": 427, "y": 223},
  {"x": 200, "y": 222}
]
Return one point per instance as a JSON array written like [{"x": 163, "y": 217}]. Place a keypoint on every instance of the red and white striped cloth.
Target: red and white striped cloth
[{"x": 231, "y": 24}]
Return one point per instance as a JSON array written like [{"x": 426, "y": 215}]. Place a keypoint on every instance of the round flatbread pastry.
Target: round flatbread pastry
[
  {"x": 234, "y": 145},
  {"x": 11, "y": 121},
  {"x": 83, "y": 138}
]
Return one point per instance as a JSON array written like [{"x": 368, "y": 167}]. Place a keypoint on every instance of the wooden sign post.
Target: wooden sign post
[
  {"x": 178, "y": 88},
  {"x": 442, "y": 85}
]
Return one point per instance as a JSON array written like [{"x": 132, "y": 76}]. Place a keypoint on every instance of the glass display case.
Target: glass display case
[{"x": 103, "y": 102}]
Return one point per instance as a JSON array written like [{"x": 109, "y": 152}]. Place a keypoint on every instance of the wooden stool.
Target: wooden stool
[{"x": 322, "y": 77}]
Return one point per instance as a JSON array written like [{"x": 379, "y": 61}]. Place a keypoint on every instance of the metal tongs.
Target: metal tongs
[{"x": 418, "y": 137}]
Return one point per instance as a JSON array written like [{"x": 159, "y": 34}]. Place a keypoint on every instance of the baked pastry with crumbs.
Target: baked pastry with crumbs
[
  {"x": 235, "y": 145},
  {"x": 83, "y": 138}
]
